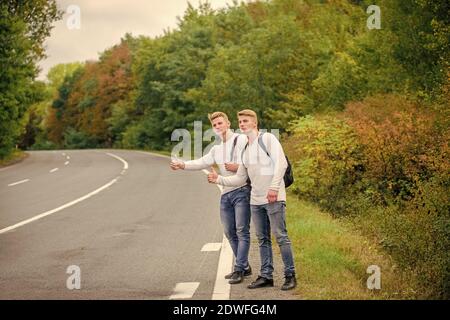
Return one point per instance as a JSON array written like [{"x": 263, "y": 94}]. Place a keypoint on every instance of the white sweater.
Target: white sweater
[
  {"x": 265, "y": 172},
  {"x": 221, "y": 154}
]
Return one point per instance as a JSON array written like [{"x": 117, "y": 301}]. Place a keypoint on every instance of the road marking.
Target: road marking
[
  {"x": 125, "y": 164},
  {"x": 53, "y": 170},
  {"x": 63, "y": 153},
  {"x": 69, "y": 204},
  {"x": 214, "y": 246},
  {"x": 66, "y": 163},
  {"x": 184, "y": 290},
  {"x": 222, "y": 288},
  {"x": 68, "y": 158},
  {"x": 18, "y": 182}
]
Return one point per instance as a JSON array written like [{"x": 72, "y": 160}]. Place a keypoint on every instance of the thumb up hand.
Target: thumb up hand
[
  {"x": 176, "y": 165},
  {"x": 212, "y": 176}
]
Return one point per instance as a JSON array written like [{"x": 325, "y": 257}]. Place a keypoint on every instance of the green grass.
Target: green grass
[
  {"x": 332, "y": 258},
  {"x": 14, "y": 157}
]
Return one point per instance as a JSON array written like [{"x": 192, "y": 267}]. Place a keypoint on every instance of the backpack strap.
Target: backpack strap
[
  {"x": 233, "y": 147},
  {"x": 249, "y": 182},
  {"x": 242, "y": 153},
  {"x": 261, "y": 144}
]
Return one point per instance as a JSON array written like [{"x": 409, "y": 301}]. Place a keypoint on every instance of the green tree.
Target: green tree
[
  {"x": 39, "y": 115},
  {"x": 24, "y": 25},
  {"x": 171, "y": 66}
]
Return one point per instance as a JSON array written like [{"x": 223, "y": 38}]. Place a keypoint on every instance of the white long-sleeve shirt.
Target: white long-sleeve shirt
[
  {"x": 221, "y": 154},
  {"x": 265, "y": 172}
]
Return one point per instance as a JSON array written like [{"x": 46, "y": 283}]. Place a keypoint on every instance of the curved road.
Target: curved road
[{"x": 134, "y": 228}]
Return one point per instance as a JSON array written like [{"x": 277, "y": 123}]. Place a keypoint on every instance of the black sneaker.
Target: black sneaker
[
  {"x": 289, "y": 283},
  {"x": 247, "y": 272},
  {"x": 261, "y": 282},
  {"x": 237, "y": 277}
]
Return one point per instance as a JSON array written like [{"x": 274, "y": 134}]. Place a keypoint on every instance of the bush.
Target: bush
[
  {"x": 43, "y": 145},
  {"x": 385, "y": 161},
  {"x": 402, "y": 143},
  {"x": 74, "y": 139},
  {"x": 406, "y": 165},
  {"x": 327, "y": 160},
  {"x": 417, "y": 235}
]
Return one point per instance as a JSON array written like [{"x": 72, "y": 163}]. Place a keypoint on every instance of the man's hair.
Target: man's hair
[
  {"x": 217, "y": 114},
  {"x": 248, "y": 113}
]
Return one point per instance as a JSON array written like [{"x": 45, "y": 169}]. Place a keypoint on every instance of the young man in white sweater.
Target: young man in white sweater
[
  {"x": 235, "y": 200},
  {"x": 268, "y": 197}
]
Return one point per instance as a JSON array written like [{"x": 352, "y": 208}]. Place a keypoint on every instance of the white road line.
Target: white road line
[
  {"x": 66, "y": 163},
  {"x": 214, "y": 246},
  {"x": 63, "y": 153},
  {"x": 68, "y": 158},
  {"x": 184, "y": 290},
  {"x": 53, "y": 170},
  {"x": 69, "y": 204},
  {"x": 125, "y": 164},
  {"x": 18, "y": 182},
  {"x": 222, "y": 288}
]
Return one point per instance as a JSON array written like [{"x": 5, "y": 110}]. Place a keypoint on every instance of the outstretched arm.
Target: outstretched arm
[{"x": 201, "y": 163}]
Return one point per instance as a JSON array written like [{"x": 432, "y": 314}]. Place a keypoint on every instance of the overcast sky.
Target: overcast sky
[{"x": 104, "y": 22}]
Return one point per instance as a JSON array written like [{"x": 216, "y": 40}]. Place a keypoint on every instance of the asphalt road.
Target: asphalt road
[{"x": 133, "y": 227}]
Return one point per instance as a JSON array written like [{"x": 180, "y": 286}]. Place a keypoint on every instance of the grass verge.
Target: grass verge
[{"x": 332, "y": 258}]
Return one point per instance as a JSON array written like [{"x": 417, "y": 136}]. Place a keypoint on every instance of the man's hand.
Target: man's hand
[
  {"x": 272, "y": 196},
  {"x": 233, "y": 167},
  {"x": 176, "y": 165},
  {"x": 212, "y": 176}
]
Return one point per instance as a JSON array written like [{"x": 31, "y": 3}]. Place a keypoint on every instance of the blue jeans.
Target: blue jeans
[
  {"x": 272, "y": 217},
  {"x": 235, "y": 217}
]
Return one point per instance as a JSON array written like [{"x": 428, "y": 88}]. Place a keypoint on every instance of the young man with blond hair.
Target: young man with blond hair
[
  {"x": 265, "y": 166},
  {"x": 235, "y": 200}
]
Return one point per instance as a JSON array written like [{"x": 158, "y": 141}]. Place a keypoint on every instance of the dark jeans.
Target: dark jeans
[
  {"x": 272, "y": 217},
  {"x": 235, "y": 216}
]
